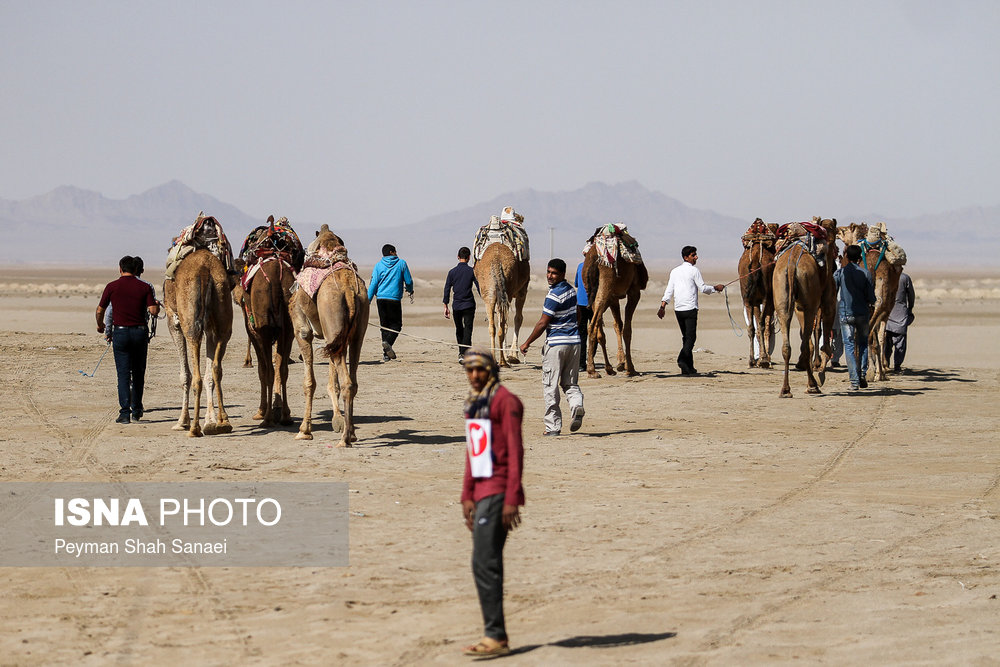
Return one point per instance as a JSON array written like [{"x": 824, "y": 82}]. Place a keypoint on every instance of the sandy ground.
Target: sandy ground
[{"x": 691, "y": 521}]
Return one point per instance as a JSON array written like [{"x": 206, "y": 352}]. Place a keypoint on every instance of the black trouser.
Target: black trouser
[
  {"x": 688, "y": 321},
  {"x": 130, "y": 345},
  {"x": 390, "y": 316},
  {"x": 895, "y": 348},
  {"x": 463, "y": 327},
  {"x": 488, "y": 538},
  {"x": 583, "y": 315}
]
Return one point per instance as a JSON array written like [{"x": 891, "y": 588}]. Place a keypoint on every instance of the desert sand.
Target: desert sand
[{"x": 692, "y": 520}]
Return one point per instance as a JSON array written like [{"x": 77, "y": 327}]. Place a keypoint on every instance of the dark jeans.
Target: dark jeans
[
  {"x": 130, "y": 345},
  {"x": 583, "y": 315},
  {"x": 856, "y": 347},
  {"x": 463, "y": 328},
  {"x": 390, "y": 316},
  {"x": 488, "y": 538},
  {"x": 895, "y": 348},
  {"x": 688, "y": 321}
]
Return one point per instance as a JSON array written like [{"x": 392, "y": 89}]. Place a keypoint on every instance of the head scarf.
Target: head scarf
[{"x": 477, "y": 403}]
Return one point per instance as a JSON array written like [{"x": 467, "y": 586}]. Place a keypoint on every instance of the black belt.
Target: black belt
[{"x": 129, "y": 326}]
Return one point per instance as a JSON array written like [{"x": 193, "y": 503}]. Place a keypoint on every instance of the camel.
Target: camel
[
  {"x": 606, "y": 286},
  {"x": 265, "y": 314},
  {"x": 197, "y": 304},
  {"x": 502, "y": 277},
  {"x": 886, "y": 279},
  {"x": 338, "y": 313},
  {"x": 798, "y": 285},
  {"x": 827, "y": 315},
  {"x": 756, "y": 270}
]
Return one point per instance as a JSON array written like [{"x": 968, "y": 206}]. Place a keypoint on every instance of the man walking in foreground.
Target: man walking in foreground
[
  {"x": 561, "y": 352},
  {"x": 857, "y": 293},
  {"x": 460, "y": 280},
  {"x": 491, "y": 490},
  {"x": 130, "y": 299},
  {"x": 389, "y": 278},
  {"x": 683, "y": 286}
]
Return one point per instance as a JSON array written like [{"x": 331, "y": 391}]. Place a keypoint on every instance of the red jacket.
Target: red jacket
[{"x": 506, "y": 412}]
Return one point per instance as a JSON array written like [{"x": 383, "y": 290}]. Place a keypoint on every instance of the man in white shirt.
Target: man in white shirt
[{"x": 684, "y": 284}]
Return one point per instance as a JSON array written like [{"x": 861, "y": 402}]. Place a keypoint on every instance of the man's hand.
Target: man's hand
[
  {"x": 100, "y": 327},
  {"x": 524, "y": 348},
  {"x": 662, "y": 309},
  {"x": 511, "y": 517},
  {"x": 445, "y": 311},
  {"x": 719, "y": 287},
  {"x": 469, "y": 512},
  {"x": 411, "y": 297}
]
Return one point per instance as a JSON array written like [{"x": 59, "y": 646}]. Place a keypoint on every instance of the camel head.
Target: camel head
[{"x": 852, "y": 233}]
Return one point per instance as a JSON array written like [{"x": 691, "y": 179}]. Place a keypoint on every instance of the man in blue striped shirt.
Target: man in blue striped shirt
[{"x": 561, "y": 352}]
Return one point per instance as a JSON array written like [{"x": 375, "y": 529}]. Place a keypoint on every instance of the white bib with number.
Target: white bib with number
[{"x": 479, "y": 441}]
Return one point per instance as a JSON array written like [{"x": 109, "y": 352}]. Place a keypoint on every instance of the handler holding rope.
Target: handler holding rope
[
  {"x": 130, "y": 299},
  {"x": 684, "y": 284}
]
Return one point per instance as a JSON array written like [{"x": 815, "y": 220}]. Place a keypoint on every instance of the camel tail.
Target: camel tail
[
  {"x": 500, "y": 287},
  {"x": 202, "y": 304},
  {"x": 346, "y": 333},
  {"x": 591, "y": 274}
]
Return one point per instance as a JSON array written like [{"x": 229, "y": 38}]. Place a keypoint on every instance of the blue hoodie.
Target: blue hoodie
[{"x": 389, "y": 278}]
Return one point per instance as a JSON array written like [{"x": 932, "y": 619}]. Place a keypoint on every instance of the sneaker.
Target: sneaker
[
  {"x": 123, "y": 419},
  {"x": 551, "y": 433},
  {"x": 385, "y": 358},
  {"x": 577, "y": 422},
  {"x": 863, "y": 383},
  {"x": 137, "y": 415},
  {"x": 854, "y": 387},
  {"x": 387, "y": 351}
]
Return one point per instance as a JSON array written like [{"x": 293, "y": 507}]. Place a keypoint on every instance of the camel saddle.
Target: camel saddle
[
  {"x": 759, "y": 232},
  {"x": 508, "y": 229},
  {"x": 206, "y": 232},
  {"x": 318, "y": 266},
  {"x": 613, "y": 242},
  {"x": 275, "y": 239},
  {"x": 808, "y": 235}
]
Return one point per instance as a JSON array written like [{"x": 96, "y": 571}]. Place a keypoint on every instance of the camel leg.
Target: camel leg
[
  {"x": 592, "y": 336},
  {"x": 602, "y": 340},
  {"x": 194, "y": 352},
  {"x": 491, "y": 317},
  {"x": 267, "y": 376},
  {"x": 333, "y": 390},
  {"x": 262, "y": 411},
  {"x": 809, "y": 320},
  {"x": 248, "y": 359},
  {"x": 768, "y": 336},
  {"x": 749, "y": 316},
  {"x": 631, "y": 303},
  {"x": 501, "y": 318},
  {"x": 785, "y": 324},
  {"x": 345, "y": 390},
  {"x": 220, "y": 423},
  {"x": 308, "y": 385},
  {"x": 515, "y": 355},
  {"x": 281, "y": 359},
  {"x": 616, "y": 319},
  {"x": 184, "y": 421},
  {"x": 803, "y": 361}
]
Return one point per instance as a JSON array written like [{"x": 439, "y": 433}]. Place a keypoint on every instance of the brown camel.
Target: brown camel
[
  {"x": 885, "y": 276},
  {"x": 756, "y": 270},
  {"x": 197, "y": 304},
  {"x": 606, "y": 286},
  {"x": 501, "y": 277},
  {"x": 797, "y": 285},
  {"x": 338, "y": 313},
  {"x": 264, "y": 304},
  {"x": 827, "y": 315}
]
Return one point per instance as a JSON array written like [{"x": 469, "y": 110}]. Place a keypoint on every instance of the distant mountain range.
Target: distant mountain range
[{"x": 74, "y": 226}]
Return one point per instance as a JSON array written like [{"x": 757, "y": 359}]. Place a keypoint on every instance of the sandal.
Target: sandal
[{"x": 487, "y": 648}]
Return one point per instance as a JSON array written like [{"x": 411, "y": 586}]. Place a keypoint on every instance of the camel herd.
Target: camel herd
[
  {"x": 789, "y": 269},
  {"x": 287, "y": 292}
]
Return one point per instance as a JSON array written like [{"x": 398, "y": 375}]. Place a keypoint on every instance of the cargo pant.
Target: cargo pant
[{"x": 560, "y": 370}]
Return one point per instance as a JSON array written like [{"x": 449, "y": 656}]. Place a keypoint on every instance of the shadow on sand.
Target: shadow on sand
[{"x": 600, "y": 641}]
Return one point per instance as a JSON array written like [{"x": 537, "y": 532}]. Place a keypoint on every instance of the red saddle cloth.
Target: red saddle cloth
[{"x": 815, "y": 230}]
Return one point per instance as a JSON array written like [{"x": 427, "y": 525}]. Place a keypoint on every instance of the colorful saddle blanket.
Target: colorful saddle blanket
[
  {"x": 613, "y": 242},
  {"x": 508, "y": 229},
  {"x": 206, "y": 232}
]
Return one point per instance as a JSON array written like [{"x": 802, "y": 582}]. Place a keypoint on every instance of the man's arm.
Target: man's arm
[
  {"x": 911, "y": 297},
  {"x": 100, "y": 319},
  {"x": 513, "y": 494},
  {"x": 407, "y": 279},
  {"x": 540, "y": 326}
]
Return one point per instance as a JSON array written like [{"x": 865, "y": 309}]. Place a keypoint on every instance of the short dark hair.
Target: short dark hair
[
  {"x": 853, "y": 253},
  {"x": 127, "y": 264},
  {"x": 557, "y": 264},
  {"x": 388, "y": 249},
  {"x": 688, "y": 250},
  {"x": 139, "y": 266},
  {"x": 464, "y": 253}
]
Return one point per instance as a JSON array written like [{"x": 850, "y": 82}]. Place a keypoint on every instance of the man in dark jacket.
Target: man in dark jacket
[
  {"x": 491, "y": 491},
  {"x": 460, "y": 280},
  {"x": 857, "y": 294}
]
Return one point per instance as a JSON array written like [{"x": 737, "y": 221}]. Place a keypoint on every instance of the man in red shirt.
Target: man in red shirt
[
  {"x": 130, "y": 300},
  {"x": 491, "y": 491}
]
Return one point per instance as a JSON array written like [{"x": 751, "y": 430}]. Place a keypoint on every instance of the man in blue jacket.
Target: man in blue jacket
[
  {"x": 389, "y": 278},
  {"x": 857, "y": 293}
]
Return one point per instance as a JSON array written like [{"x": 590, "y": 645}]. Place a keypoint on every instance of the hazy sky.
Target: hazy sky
[{"x": 374, "y": 113}]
